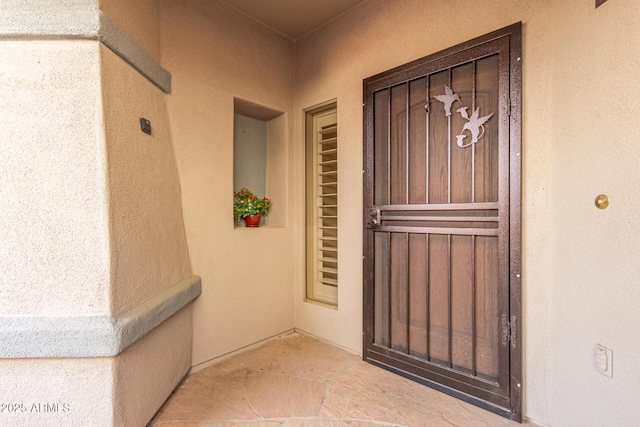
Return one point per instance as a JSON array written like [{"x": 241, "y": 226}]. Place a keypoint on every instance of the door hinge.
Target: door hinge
[
  {"x": 509, "y": 107},
  {"x": 509, "y": 331}
]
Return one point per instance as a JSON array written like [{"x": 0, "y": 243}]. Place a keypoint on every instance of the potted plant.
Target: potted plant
[{"x": 249, "y": 207}]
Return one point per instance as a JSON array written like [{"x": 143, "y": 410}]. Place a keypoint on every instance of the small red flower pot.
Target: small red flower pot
[{"x": 252, "y": 220}]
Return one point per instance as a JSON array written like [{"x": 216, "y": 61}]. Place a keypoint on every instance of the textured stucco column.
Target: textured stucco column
[{"x": 95, "y": 279}]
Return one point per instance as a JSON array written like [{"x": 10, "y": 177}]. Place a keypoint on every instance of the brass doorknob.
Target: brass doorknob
[{"x": 602, "y": 201}]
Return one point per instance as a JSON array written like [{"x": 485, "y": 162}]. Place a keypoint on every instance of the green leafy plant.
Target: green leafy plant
[{"x": 246, "y": 203}]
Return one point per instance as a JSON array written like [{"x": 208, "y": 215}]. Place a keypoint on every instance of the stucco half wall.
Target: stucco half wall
[
  {"x": 93, "y": 256},
  {"x": 122, "y": 391}
]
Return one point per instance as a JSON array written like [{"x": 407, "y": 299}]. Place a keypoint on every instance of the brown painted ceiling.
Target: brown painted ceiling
[{"x": 293, "y": 18}]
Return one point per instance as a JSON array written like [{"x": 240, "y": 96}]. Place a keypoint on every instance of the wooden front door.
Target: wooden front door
[{"x": 442, "y": 221}]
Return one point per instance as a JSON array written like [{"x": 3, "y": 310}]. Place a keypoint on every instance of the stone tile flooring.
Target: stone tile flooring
[{"x": 299, "y": 381}]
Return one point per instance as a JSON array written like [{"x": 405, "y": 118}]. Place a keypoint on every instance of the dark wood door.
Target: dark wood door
[{"x": 442, "y": 221}]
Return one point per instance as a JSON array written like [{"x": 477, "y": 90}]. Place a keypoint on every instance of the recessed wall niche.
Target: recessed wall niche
[{"x": 259, "y": 156}]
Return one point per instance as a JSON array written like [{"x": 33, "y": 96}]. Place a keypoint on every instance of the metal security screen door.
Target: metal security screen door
[{"x": 442, "y": 221}]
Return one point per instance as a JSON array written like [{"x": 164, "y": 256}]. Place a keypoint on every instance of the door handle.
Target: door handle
[{"x": 375, "y": 213}]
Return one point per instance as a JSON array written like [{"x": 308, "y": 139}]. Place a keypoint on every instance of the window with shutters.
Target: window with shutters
[{"x": 322, "y": 203}]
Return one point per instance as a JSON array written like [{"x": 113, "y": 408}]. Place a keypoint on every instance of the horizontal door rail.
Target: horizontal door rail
[
  {"x": 441, "y": 218},
  {"x": 440, "y": 230},
  {"x": 441, "y": 206}
]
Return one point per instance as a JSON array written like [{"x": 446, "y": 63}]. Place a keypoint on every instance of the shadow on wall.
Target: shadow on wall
[{"x": 259, "y": 155}]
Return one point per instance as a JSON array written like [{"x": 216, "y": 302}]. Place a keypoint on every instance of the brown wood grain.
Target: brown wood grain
[
  {"x": 382, "y": 287},
  {"x": 438, "y": 263},
  {"x": 486, "y": 300},
  {"x": 486, "y": 150},
  {"x": 438, "y": 142},
  {"x": 398, "y": 144},
  {"x": 462, "y": 79},
  {"x": 399, "y": 292},
  {"x": 418, "y": 141},
  {"x": 462, "y": 302},
  {"x": 381, "y": 147},
  {"x": 418, "y": 288}
]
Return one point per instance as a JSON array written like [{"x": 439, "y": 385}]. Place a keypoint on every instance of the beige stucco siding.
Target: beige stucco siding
[{"x": 215, "y": 54}]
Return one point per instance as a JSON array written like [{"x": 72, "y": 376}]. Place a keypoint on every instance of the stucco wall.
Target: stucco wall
[
  {"x": 594, "y": 292},
  {"x": 579, "y": 126},
  {"x": 278, "y": 134},
  {"x": 250, "y": 154},
  {"x": 216, "y": 54},
  {"x": 139, "y": 19},
  {"x": 122, "y": 391},
  {"x": 148, "y": 242},
  {"x": 149, "y": 250},
  {"x": 54, "y": 250},
  {"x": 145, "y": 374},
  {"x": 57, "y": 392},
  {"x": 90, "y": 224}
]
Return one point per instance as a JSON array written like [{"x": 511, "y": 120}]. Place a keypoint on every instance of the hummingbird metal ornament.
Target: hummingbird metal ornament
[{"x": 475, "y": 123}]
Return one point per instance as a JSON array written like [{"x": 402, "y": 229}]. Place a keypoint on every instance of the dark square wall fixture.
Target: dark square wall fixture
[
  {"x": 600, "y": 3},
  {"x": 145, "y": 125}
]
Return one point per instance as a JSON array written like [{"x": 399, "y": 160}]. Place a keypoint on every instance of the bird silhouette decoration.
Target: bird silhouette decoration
[
  {"x": 474, "y": 125},
  {"x": 448, "y": 99}
]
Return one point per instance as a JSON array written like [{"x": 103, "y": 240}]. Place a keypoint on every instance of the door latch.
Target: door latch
[{"x": 374, "y": 212}]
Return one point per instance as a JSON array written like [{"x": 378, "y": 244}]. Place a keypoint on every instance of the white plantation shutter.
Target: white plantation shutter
[{"x": 322, "y": 207}]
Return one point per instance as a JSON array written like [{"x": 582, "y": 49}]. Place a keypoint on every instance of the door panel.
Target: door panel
[
  {"x": 487, "y": 318},
  {"x": 381, "y": 187},
  {"x": 462, "y": 161},
  {"x": 438, "y": 262},
  {"x": 438, "y": 153},
  {"x": 417, "y": 142},
  {"x": 441, "y": 305},
  {"x": 418, "y": 295}
]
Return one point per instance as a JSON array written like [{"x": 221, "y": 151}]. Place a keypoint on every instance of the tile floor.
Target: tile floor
[{"x": 299, "y": 381}]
